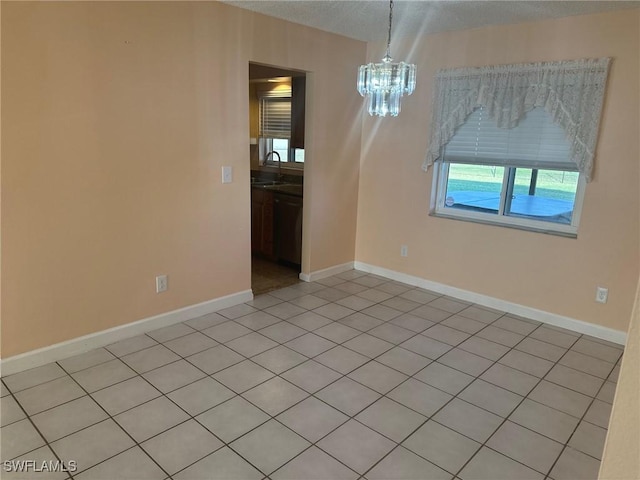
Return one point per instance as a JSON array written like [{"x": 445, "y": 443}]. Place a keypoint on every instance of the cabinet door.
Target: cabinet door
[
  {"x": 256, "y": 221},
  {"x": 288, "y": 216},
  {"x": 298, "y": 92},
  {"x": 267, "y": 224}
]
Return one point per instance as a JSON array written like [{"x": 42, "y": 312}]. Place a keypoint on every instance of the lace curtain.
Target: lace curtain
[{"x": 572, "y": 92}]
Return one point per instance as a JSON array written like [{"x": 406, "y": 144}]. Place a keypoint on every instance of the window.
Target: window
[
  {"x": 521, "y": 177},
  {"x": 275, "y": 129}
]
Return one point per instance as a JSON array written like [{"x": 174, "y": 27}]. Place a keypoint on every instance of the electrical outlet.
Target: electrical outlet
[
  {"x": 602, "y": 294},
  {"x": 227, "y": 174},
  {"x": 404, "y": 251},
  {"x": 162, "y": 283}
]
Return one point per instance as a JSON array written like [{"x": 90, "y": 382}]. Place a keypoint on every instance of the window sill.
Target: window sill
[{"x": 530, "y": 226}]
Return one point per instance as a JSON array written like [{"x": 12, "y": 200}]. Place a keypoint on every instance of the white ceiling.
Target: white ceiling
[{"x": 367, "y": 20}]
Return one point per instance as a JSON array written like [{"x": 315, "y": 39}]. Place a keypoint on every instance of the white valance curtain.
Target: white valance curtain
[{"x": 572, "y": 92}]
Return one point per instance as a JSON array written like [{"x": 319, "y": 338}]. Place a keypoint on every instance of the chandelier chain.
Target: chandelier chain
[{"x": 390, "y": 21}]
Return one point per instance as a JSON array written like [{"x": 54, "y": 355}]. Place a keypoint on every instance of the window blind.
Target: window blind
[
  {"x": 275, "y": 117},
  {"x": 536, "y": 142}
]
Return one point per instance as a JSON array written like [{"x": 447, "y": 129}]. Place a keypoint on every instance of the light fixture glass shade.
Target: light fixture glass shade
[{"x": 385, "y": 84}]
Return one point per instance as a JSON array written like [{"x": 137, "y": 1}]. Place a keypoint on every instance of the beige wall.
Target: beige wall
[
  {"x": 117, "y": 118},
  {"x": 545, "y": 272},
  {"x": 621, "y": 458}
]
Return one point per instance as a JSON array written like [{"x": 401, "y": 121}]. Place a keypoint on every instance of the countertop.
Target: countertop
[{"x": 293, "y": 189}]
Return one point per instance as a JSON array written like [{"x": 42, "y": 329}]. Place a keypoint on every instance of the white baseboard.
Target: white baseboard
[
  {"x": 598, "y": 331},
  {"x": 326, "y": 272},
  {"x": 75, "y": 346}
]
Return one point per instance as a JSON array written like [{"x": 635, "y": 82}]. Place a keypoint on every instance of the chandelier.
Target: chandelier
[{"x": 387, "y": 82}]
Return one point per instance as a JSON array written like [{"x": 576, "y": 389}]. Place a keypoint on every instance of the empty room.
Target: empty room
[{"x": 365, "y": 240}]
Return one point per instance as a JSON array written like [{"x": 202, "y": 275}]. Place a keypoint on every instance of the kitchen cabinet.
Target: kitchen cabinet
[
  {"x": 288, "y": 228},
  {"x": 298, "y": 92},
  {"x": 262, "y": 223}
]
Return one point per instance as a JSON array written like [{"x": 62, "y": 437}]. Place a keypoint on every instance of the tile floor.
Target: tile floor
[
  {"x": 267, "y": 276},
  {"x": 350, "y": 377}
]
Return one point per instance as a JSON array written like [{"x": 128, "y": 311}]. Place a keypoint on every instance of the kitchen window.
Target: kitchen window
[
  {"x": 275, "y": 129},
  {"x": 275, "y": 126},
  {"x": 521, "y": 177}
]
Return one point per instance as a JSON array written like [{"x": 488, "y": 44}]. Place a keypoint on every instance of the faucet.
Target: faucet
[{"x": 266, "y": 158}]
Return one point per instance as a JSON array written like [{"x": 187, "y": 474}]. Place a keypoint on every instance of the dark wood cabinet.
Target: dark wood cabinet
[
  {"x": 298, "y": 92},
  {"x": 288, "y": 228},
  {"x": 262, "y": 222},
  {"x": 276, "y": 225}
]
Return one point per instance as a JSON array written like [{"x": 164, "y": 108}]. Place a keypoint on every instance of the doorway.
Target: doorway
[{"x": 276, "y": 154}]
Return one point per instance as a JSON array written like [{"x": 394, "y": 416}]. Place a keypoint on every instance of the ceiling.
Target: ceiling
[{"x": 367, "y": 20}]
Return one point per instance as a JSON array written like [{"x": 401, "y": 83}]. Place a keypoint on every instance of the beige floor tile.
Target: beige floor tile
[
  {"x": 279, "y": 359},
  {"x": 201, "y": 395},
  {"x": 10, "y": 411},
  {"x": 341, "y": 359},
  {"x": 190, "y": 344},
  {"x": 224, "y": 464},
  {"x": 444, "y": 378},
  {"x": 490, "y": 465},
  {"x": 545, "y": 420},
  {"x": 275, "y": 395},
  {"x": 527, "y": 447},
  {"x": 573, "y": 464},
  {"x": 270, "y": 446},
  {"x": 151, "y": 418},
  {"x": 232, "y": 419},
  {"x": 68, "y": 418},
  {"x": 312, "y": 419},
  {"x": 215, "y": 359},
  {"x": 589, "y": 439},
  {"x": 150, "y": 358},
  {"x": 465, "y": 418},
  {"x": 356, "y": 446},
  {"x": 348, "y": 396},
  {"x": 92, "y": 445},
  {"x": 314, "y": 464},
  {"x": 419, "y": 396},
  {"x": 282, "y": 332},
  {"x": 251, "y": 344},
  {"x": 391, "y": 419},
  {"x": 425, "y": 346},
  {"x": 181, "y": 446},
  {"x": 368, "y": 345},
  {"x": 125, "y": 395},
  {"x": 18, "y": 438},
  {"x": 173, "y": 376},
  {"x": 442, "y": 446},
  {"x": 86, "y": 360},
  {"x": 35, "y": 376},
  {"x": 48, "y": 395},
  {"x": 132, "y": 464},
  {"x": 401, "y": 464},
  {"x": 378, "y": 377},
  {"x": 510, "y": 379},
  {"x": 490, "y": 397},
  {"x": 311, "y": 376},
  {"x": 403, "y": 360}
]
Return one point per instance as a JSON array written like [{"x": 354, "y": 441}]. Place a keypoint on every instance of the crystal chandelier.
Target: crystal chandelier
[{"x": 385, "y": 83}]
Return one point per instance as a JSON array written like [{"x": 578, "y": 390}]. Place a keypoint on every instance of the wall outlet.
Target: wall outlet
[
  {"x": 602, "y": 294},
  {"x": 227, "y": 174},
  {"x": 162, "y": 283},
  {"x": 404, "y": 251}
]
